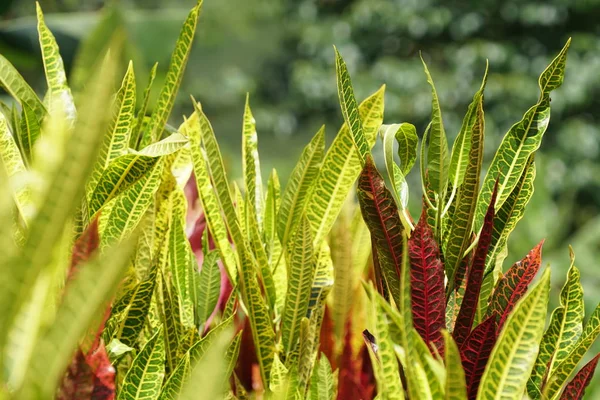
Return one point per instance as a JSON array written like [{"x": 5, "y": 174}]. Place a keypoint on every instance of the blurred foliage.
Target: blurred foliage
[{"x": 281, "y": 52}]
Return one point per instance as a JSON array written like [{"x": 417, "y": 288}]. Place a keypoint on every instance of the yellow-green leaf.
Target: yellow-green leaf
[
  {"x": 513, "y": 356},
  {"x": 251, "y": 163}
]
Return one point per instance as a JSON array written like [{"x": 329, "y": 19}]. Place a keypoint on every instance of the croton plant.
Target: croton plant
[{"x": 132, "y": 267}]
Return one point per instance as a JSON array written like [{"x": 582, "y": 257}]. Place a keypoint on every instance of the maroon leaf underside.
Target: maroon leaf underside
[
  {"x": 466, "y": 315},
  {"x": 576, "y": 388},
  {"x": 84, "y": 248},
  {"x": 428, "y": 298},
  {"x": 475, "y": 353},
  {"x": 350, "y": 370},
  {"x": 380, "y": 212},
  {"x": 513, "y": 285}
]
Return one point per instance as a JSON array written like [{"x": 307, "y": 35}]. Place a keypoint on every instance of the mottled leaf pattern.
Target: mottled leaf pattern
[
  {"x": 513, "y": 355},
  {"x": 381, "y": 216},
  {"x": 455, "y": 375},
  {"x": 251, "y": 163},
  {"x": 475, "y": 353},
  {"x": 576, "y": 388},
  {"x": 427, "y": 285}
]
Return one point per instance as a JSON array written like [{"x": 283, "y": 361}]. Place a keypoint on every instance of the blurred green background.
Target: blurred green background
[{"x": 281, "y": 52}]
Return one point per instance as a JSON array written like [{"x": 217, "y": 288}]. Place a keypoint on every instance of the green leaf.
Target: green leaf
[
  {"x": 272, "y": 206},
  {"x": 85, "y": 298},
  {"x": 384, "y": 361},
  {"x": 322, "y": 383},
  {"x": 301, "y": 272},
  {"x": 455, "y": 375},
  {"x": 341, "y": 167},
  {"x": 174, "y": 383},
  {"x": 182, "y": 262},
  {"x": 65, "y": 189},
  {"x": 513, "y": 356},
  {"x": 299, "y": 185},
  {"x": 521, "y": 141},
  {"x": 14, "y": 166},
  {"x": 461, "y": 149},
  {"x": 116, "y": 141},
  {"x": 349, "y": 107},
  {"x": 135, "y": 304},
  {"x": 563, "y": 332},
  {"x": 437, "y": 154},
  {"x": 566, "y": 367},
  {"x": 198, "y": 133},
  {"x": 29, "y": 131},
  {"x": 209, "y": 286},
  {"x": 251, "y": 163},
  {"x": 14, "y": 84},
  {"x": 172, "y": 327},
  {"x": 209, "y": 374},
  {"x": 461, "y": 220},
  {"x": 130, "y": 207},
  {"x": 135, "y": 138},
  {"x": 58, "y": 87},
  {"x": 166, "y": 98},
  {"x": 145, "y": 376},
  {"x": 509, "y": 215}
]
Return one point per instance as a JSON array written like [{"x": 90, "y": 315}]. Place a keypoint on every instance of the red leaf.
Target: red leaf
[
  {"x": 84, "y": 247},
  {"x": 427, "y": 285},
  {"x": 350, "y": 382},
  {"x": 576, "y": 388},
  {"x": 513, "y": 285},
  {"x": 475, "y": 352},
  {"x": 78, "y": 382},
  {"x": 90, "y": 376},
  {"x": 466, "y": 315},
  {"x": 104, "y": 374},
  {"x": 380, "y": 212}
]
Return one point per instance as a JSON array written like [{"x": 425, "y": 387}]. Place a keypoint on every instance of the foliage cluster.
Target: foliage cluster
[{"x": 299, "y": 294}]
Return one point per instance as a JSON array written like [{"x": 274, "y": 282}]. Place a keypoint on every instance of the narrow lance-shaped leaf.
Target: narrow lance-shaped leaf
[
  {"x": 208, "y": 287},
  {"x": 455, "y": 375},
  {"x": 174, "y": 383},
  {"x": 168, "y": 305},
  {"x": 135, "y": 138},
  {"x": 461, "y": 221},
  {"x": 475, "y": 353},
  {"x": 513, "y": 355},
  {"x": 85, "y": 297},
  {"x": 54, "y": 68},
  {"x": 272, "y": 206},
  {"x": 179, "y": 59},
  {"x": 466, "y": 315},
  {"x": 576, "y": 388},
  {"x": 461, "y": 149},
  {"x": 522, "y": 140},
  {"x": 301, "y": 272},
  {"x": 350, "y": 108},
  {"x": 145, "y": 376},
  {"x": 383, "y": 356},
  {"x": 427, "y": 283},
  {"x": 251, "y": 163},
  {"x": 340, "y": 169},
  {"x": 15, "y": 85},
  {"x": 437, "y": 154},
  {"x": 65, "y": 189},
  {"x": 322, "y": 385},
  {"x": 209, "y": 200},
  {"x": 381, "y": 216},
  {"x": 513, "y": 285},
  {"x": 299, "y": 184},
  {"x": 29, "y": 132}
]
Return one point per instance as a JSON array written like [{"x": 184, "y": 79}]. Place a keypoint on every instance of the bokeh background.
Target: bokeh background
[{"x": 280, "y": 51}]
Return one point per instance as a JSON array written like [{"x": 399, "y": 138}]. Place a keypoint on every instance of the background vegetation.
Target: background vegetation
[{"x": 280, "y": 52}]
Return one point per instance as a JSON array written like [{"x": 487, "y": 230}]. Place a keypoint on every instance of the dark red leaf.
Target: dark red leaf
[
  {"x": 84, "y": 247},
  {"x": 466, "y": 315},
  {"x": 78, "y": 382},
  {"x": 104, "y": 374},
  {"x": 356, "y": 379},
  {"x": 513, "y": 285},
  {"x": 380, "y": 212},
  {"x": 427, "y": 285},
  {"x": 475, "y": 352},
  {"x": 327, "y": 342},
  {"x": 576, "y": 388}
]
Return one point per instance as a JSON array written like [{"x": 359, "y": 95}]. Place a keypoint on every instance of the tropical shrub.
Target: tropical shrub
[{"x": 102, "y": 238}]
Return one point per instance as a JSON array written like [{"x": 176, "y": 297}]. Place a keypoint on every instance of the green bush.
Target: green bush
[{"x": 300, "y": 293}]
